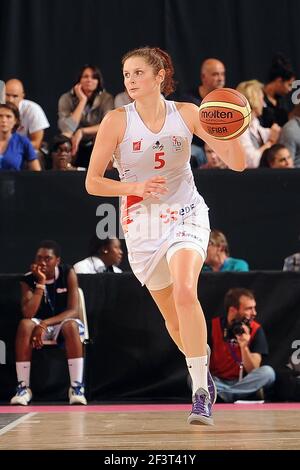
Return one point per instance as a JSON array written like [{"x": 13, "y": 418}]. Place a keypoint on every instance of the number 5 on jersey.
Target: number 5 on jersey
[{"x": 160, "y": 162}]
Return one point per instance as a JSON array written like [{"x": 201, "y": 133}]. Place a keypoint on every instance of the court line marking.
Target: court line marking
[{"x": 15, "y": 423}]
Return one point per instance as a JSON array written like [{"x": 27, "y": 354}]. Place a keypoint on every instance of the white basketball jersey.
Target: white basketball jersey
[{"x": 142, "y": 154}]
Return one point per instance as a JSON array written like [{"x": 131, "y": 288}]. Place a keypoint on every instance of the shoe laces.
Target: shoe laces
[
  {"x": 200, "y": 404},
  {"x": 78, "y": 389},
  {"x": 21, "y": 388}
]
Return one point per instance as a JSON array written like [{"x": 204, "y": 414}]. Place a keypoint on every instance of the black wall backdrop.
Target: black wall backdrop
[
  {"x": 259, "y": 211},
  {"x": 44, "y": 43}
]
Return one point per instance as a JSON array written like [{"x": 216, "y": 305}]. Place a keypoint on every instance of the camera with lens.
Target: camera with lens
[{"x": 236, "y": 329}]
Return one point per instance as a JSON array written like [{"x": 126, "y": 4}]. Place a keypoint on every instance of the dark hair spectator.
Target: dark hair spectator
[
  {"x": 290, "y": 135},
  {"x": 50, "y": 245},
  {"x": 16, "y": 151},
  {"x": 96, "y": 74},
  {"x": 238, "y": 346},
  {"x": 50, "y": 309},
  {"x": 81, "y": 110},
  {"x": 277, "y": 156},
  {"x": 280, "y": 68},
  {"x": 13, "y": 108},
  {"x": 103, "y": 255},
  {"x": 279, "y": 85},
  {"x": 232, "y": 297}
]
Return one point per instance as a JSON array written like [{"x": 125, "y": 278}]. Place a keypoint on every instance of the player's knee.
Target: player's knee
[
  {"x": 26, "y": 326},
  {"x": 69, "y": 328},
  {"x": 269, "y": 374},
  {"x": 184, "y": 294}
]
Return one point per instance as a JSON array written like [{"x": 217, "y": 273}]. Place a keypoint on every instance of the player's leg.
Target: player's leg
[
  {"x": 185, "y": 266},
  {"x": 23, "y": 362},
  {"x": 164, "y": 300},
  {"x": 74, "y": 350}
]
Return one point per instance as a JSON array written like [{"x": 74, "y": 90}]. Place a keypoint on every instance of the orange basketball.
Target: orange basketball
[{"x": 225, "y": 113}]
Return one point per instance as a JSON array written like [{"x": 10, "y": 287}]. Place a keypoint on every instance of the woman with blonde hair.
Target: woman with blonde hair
[
  {"x": 218, "y": 256},
  {"x": 256, "y": 138}
]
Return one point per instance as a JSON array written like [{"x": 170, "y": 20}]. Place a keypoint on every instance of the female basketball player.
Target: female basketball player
[{"x": 164, "y": 218}]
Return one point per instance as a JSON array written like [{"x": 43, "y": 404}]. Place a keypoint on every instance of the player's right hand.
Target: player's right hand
[
  {"x": 154, "y": 187},
  {"x": 38, "y": 273},
  {"x": 79, "y": 93}
]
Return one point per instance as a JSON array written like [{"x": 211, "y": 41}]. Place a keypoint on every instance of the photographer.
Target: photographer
[{"x": 238, "y": 344}]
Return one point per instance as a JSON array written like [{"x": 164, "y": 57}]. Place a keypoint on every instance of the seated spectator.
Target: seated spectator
[
  {"x": 15, "y": 149},
  {"x": 50, "y": 310},
  {"x": 290, "y": 135},
  {"x": 256, "y": 138},
  {"x": 278, "y": 86},
  {"x": 292, "y": 263},
  {"x": 81, "y": 110},
  {"x": 104, "y": 256},
  {"x": 213, "y": 161},
  {"x": 277, "y": 156},
  {"x": 238, "y": 344},
  {"x": 61, "y": 154},
  {"x": 33, "y": 120},
  {"x": 212, "y": 76},
  {"x": 121, "y": 99},
  {"x": 218, "y": 258}
]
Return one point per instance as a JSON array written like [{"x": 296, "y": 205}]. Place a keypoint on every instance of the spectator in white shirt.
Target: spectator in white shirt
[
  {"x": 104, "y": 256},
  {"x": 256, "y": 138},
  {"x": 33, "y": 119}
]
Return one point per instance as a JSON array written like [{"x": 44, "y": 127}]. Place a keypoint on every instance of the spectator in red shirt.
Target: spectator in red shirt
[{"x": 238, "y": 344}]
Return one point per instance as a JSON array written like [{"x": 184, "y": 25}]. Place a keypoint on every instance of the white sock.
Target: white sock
[
  {"x": 23, "y": 372},
  {"x": 75, "y": 370},
  {"x": 197, "y": 367}
]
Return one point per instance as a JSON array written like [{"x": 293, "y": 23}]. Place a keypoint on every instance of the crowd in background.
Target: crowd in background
[{"x": 271, "y": 141}]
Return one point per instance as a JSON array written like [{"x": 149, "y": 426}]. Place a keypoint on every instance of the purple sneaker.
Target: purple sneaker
[
  {"x": 201, "y": 409},
  {"x": 210, "y": 382}
]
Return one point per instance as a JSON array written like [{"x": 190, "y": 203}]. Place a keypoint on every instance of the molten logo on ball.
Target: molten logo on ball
[
  {"x": 225, "y": 114},
  {"x": 216, "y": 114}
]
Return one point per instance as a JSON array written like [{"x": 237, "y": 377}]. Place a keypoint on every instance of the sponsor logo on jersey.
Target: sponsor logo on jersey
[
  {"x": 177, "y": 143},
  {"x": 185, "y": 234},
  {"x": 186, "y": 209},
  {"x": 168, "y": 216},
  {"x": 158, "y": 146},
  {"x": 130, "y": 207},
  {"x": 137, "y": 146}
]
